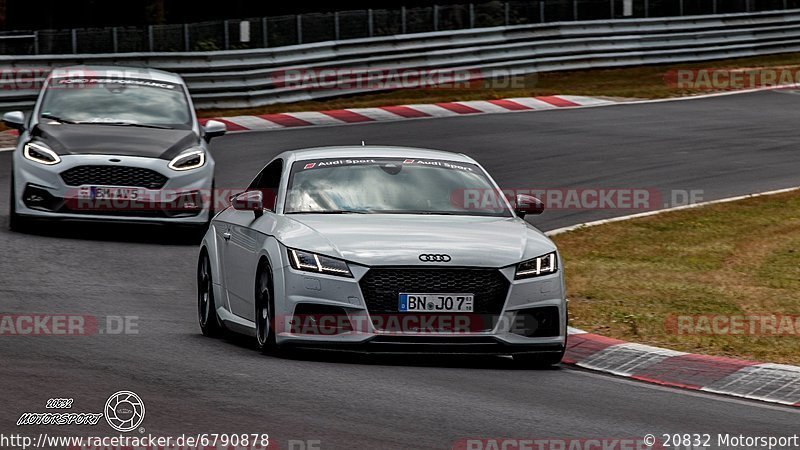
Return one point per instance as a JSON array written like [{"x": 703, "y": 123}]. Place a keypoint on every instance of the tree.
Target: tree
[{"x": 156, "y": 11}]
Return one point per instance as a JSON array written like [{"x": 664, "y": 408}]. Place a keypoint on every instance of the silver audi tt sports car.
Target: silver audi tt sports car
[
  {"x": 383, "y": 249},
  {"x": 112, "y": 143}
]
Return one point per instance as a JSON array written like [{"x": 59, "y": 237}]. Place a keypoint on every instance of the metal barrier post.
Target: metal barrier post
[
  {"x": 435, "y": 17},
  {"x": 647, "y": 8},
  {"x": 299, "y": 28},
  {"x": 507, "y": 13},
  {"x": 35, "y": 42},
  {"x": 336, "y": 30},
  {"x": 541, "y": 11},
  {"x": 186, "y": 43},
  {"x": 264, "y": 33},
  {"x": 714, "y": 6},
  {"x": 151, "y": 38},
  {"x": 472, "y": 15},
  {"x": 680, "y": 7},
  {"x": 403, "y": 19},
  {"x": 611, "y": 8},
  {"x": 227, "y": 34},
  {"x": 74, "y": 41},
  {"x": 370, "y": 23},
  {"x": 575, "y": 10},
  {"x": 114, "y": 40}
]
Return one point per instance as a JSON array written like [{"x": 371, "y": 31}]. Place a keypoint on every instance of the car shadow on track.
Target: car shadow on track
[
  {"x": 434, "y": 360},
  {"x": 114, "y": 232}
]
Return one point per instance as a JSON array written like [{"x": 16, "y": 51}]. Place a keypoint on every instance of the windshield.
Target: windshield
[
  {"x": 116, "y": 101},
  {"x": 391, "y": 186}
]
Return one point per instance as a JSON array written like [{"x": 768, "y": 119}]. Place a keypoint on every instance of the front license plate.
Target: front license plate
[
  {"x": 109, "y": 193},
  {"x": 436, "y": 302}
]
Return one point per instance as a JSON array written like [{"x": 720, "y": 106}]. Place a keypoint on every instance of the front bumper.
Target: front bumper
[
  {"x": 41, "y": 193},
  {"x": 321, "y": 297}
]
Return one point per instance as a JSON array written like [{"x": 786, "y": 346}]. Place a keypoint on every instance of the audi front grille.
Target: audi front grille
[
  {"x": 113, "y": 176},
  {"x": 381, "y": 288}
]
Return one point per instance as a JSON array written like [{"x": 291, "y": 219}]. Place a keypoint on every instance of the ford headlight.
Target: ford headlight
[
  {"x": 38, "y": 152},
  {"x": 312, "y": 262},
  {"x": 188, "y": 160},
  {"x": 537, "y": 267}
]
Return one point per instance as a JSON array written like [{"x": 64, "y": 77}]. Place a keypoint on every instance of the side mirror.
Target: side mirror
[
  {"x": 249, "y": 201},
  {"x": 528, "y": 204},
  {"x": 15, "y": 120},
  {"x": 212, "y": 129}
]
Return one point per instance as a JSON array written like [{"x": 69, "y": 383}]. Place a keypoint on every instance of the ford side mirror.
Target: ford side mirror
[
  {"x": 249, "y": 201},
  {"x": 214, "y": 128},
  {"x": 15, "y": 120},
  {"x": 528, "y": 204}
]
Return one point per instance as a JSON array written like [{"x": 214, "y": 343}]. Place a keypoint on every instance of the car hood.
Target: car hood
[
  {"x": 399, "y": 240},
  {"x": 94, "y": 139}
]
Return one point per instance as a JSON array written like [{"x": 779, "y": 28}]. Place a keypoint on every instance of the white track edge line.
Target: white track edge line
[{"x": 563, "y": 230}]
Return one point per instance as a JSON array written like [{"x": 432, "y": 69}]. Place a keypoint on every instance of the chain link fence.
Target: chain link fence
[{"x": 282, "y": 31}]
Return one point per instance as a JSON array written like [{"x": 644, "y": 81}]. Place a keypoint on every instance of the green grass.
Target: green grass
[
  {"x": 625, "y": 279},
  {"x": 645, "y": 82}
]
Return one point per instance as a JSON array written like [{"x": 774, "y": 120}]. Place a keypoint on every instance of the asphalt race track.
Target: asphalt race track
[{"x": 724, "y": 146}]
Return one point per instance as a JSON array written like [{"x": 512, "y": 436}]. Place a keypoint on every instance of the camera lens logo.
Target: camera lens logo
[{"x": 124, "y": 411}]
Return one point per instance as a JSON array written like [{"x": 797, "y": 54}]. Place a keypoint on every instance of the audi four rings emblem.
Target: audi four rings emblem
[{"x": 435, "y": 258}]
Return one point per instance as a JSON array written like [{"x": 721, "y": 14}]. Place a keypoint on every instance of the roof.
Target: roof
[
  {"x": 373, "y": 151},
  {"x": 116, "y": 72}
]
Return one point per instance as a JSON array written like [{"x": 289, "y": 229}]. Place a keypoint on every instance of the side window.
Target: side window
[{"x": 268, "y": 182}]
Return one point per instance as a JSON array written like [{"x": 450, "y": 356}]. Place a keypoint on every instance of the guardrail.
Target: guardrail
[
  {"x": 279, "y": 31},
  {"x": 245, "y": 78}
]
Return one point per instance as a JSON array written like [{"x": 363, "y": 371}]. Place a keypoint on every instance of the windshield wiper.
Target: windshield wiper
[
  {"x": 125, "y": 124},
  {"x": 56, "y": 118}
]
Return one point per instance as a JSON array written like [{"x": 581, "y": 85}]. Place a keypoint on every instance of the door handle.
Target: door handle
[{"x": 226, "y": 236}]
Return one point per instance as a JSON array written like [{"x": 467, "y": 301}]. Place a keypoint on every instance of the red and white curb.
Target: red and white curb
[
  {"x": 267, "y": 122},
  {"x": 775, "y": 383},
  {"x": 349, "y": 116}
]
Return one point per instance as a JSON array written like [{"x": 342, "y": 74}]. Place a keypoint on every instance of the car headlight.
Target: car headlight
[
  {"x": 188, "y": 160},
  {"x": 311, "y": 262},
  {"x": 537, "y": 267},
  {"x": 39, "y": 153}
]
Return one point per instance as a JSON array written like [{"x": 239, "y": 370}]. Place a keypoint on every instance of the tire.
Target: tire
[
  {"x": 206, "y": 307},
  {"x": 265, "y": 309}
]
